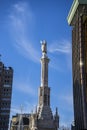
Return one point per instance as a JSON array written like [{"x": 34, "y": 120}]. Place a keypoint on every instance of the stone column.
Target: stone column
[{"x": 44, "y": 65}]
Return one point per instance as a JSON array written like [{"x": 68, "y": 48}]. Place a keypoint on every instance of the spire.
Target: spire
[
  {"x": 44, "y": 64},
  {"x": 36, "y": 109},
  {"x": 0, "y": 57},
  {"x": 56, "y": 111},
  {"x": 56, "y": 117}
]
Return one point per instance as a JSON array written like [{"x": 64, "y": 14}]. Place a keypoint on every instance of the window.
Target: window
[
  {"x": 40, "y": 92},
  {"x": 7, "y": 85},
  {"x": 45, "y": 99}
]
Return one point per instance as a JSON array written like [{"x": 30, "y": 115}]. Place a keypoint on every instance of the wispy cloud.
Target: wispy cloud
[
  {"x": 30, "y": 107},
  {"x": 29, "y": 104},
  {"x": 25, "y": 87},
  {"x": 21, "y": 23},
  {"x": 60, "y": 47},
  {"x": 63, "y": 50},
  {"x": 55, "y": 64},
  {"x": 65, "y": 107},
  {"x": 26, "y": 48},
  {"x": 64, "y": 100},
  {"x": 26, "y": 107},
  {"x": 68, "y": 99},
  {"x": 20, "y": 17},
  {"x": 15, "y": 109}
]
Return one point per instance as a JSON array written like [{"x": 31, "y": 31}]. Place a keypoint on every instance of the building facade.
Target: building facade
[
  {"x": 20, "y": 122},
  {"x": 42, "y": 118},
  {"x": 77, "y": 18},
  {"x": 6, "y": 76}
]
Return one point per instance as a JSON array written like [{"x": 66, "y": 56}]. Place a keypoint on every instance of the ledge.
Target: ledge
[{"x": 73, "y": 9}]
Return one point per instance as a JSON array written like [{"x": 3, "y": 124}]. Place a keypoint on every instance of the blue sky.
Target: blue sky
[{"x": 23, "y": 24}]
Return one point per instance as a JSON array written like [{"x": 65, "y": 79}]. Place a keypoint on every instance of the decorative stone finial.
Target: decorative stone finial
[
  {"x": 0, "y": 57},
  {"x": 56, "y": 111}
]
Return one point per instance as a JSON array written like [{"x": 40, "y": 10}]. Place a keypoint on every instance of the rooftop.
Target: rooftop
[{"x": 73, "y": 9}]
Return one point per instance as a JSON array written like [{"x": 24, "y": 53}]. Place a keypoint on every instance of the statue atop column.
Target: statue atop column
[{"x": 44, "y": 46}]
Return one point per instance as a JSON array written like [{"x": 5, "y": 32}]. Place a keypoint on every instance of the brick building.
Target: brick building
[
  {"x": 77, "y": 18},
  {"x": 6, "y": 76}
]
